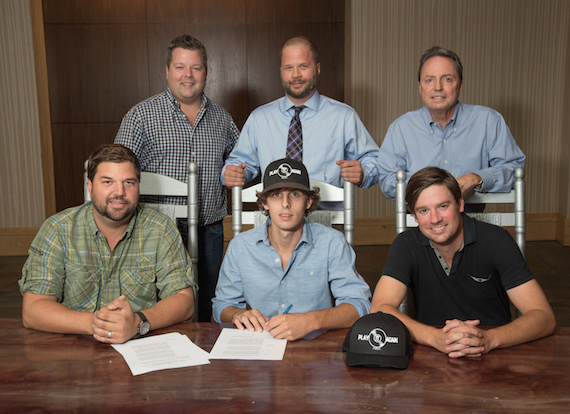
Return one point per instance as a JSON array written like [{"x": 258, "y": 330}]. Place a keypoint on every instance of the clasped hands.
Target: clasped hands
[
  {"x": 115, "y": 323},
  {"x": 290, "y": 326},
  {"x": 462, "y": 338}
]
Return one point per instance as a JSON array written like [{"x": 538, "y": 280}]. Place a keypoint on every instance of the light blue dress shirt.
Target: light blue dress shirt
[
  {"x": 332, "y": 131},
  {"x": 475, "y": 140},
  {"x": 320, "y": 274}
]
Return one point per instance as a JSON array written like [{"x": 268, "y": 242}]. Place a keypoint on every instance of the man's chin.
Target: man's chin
[{"x": 118, "y": 216}]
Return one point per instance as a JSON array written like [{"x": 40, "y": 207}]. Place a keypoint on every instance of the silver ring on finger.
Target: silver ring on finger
[{"x": 109, "y": 334}]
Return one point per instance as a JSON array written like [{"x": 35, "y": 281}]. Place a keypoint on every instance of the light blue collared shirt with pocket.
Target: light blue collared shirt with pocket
[{"x": 320, "y": 274}]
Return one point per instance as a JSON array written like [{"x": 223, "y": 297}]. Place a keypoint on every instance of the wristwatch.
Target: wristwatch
[{"x": 144, "y": 325}]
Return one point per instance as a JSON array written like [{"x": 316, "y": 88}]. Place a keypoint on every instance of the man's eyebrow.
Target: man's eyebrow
[{"x": 104, "y": 177}]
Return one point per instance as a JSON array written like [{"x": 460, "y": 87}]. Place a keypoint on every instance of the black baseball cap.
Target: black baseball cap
[
  {"x": 285, "y": 173},
  {"x": 378, "y": 340}
]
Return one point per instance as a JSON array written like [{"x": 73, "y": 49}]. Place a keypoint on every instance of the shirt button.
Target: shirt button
[
  {"x": 444, "y": 140},
  {"x": 282, "y": 282},
  {"x": 282, "y": 305},
  {"x": 445, "y": 161},
  {"x": 276, "y": 260},
  {"x": 311, "y": 273}
]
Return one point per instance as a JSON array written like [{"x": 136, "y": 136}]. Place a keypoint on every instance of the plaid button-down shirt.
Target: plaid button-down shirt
[
  {"x": 165, "y": 141},
  {"x": 71, "y": 260}
]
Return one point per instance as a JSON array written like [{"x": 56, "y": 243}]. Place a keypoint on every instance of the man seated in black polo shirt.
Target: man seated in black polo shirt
[{"x": 462, "y": 273}]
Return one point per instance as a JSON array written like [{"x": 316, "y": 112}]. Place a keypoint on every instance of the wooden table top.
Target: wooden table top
[{"x": 44, "y": 372}]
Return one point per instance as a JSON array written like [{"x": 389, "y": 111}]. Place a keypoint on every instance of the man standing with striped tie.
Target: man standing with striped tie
[{"x": 326, "y": 135}]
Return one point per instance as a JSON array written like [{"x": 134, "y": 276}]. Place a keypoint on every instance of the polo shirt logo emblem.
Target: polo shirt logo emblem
[{"x": 480, "y": 279}]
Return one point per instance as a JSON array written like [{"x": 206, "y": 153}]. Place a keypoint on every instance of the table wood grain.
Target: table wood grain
[{"x": 45, "y": 372}]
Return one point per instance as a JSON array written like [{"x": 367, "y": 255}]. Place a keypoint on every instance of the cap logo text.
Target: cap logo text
[
  {"x": 284, "y": 171},
  {"x": 377, "y": 338}
]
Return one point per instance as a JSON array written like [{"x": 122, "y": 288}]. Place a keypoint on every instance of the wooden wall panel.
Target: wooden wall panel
[
  {"x": 298, "y": 11},
  {"x": 72, "y": 144},
  {"x": 195, "y": 11},
  {"x": 93, "y": 11},
  {"x": 105, "y": 56},
  {"x": 95, "y": 71}
]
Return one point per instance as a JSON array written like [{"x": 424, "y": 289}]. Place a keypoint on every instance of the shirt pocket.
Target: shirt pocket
[
  {"x": 482, "y": 287},
  {"x": 81, "y": 287},
  {"x": 311, "y": 289},
  {"x": 138, "y": 284}
]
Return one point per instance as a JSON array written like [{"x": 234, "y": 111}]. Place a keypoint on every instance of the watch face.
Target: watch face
[{"x": 144, "y": 327}]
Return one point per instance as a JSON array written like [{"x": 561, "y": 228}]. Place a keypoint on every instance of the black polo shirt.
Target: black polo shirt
[{"x": 489, "y": 264}]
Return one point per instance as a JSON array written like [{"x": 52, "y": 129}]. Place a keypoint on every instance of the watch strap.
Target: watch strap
[{"x": 144, "y": 325}]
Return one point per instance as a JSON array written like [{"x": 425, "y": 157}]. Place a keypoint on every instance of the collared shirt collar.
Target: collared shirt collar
[
  {"x": 430, "y": 122},
  {"x": 313, "y": 103},
  {"x": 176, "y": 105}
]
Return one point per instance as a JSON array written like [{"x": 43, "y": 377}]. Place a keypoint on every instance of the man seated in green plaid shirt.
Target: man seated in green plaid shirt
[{"x": 110, "y": 268}]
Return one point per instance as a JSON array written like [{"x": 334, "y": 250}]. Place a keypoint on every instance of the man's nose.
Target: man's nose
[
  {"x": 119, "y": 189},
  {"x": 435, "y": 217}
]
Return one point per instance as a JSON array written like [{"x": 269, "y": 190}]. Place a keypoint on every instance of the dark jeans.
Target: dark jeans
[{"x": 210, "y": 251}]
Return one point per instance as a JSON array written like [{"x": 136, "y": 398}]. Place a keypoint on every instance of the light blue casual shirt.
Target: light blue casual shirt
[
  {"x": 320, "y": 274},
  {"x": 332, "y": 131},
  {"x": 475, "y": 140}
]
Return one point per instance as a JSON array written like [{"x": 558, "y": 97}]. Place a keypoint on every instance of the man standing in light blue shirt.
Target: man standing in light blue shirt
[
  {"x": 472, "y": 142},
  {"x": 336, "y": 145},
  {"x": 288, "y": 261}
]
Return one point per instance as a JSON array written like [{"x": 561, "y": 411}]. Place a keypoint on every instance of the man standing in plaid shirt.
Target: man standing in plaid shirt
[{"x": 175, "y": 127}]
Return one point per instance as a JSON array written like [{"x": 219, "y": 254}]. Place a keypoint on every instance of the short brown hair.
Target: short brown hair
[
  {"x": 441, "y": 52},
  {"x": 301, "y": 40},
  {"x": 312, "y": 195},
  {"x": 427, "y": 177},
  {"x": 111, "y": 153},
  {"x": 187, "y": 42}
]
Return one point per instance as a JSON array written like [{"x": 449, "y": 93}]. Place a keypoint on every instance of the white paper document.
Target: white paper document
[
  {"x": 236, "y": 344},
  {"x": 158, "y": 352}
]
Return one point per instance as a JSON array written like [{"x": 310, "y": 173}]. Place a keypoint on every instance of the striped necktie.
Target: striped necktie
[{"x": 295, "y": 137}]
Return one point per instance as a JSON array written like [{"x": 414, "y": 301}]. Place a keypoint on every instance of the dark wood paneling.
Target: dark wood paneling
[
  {"x": 98, "y": 69},
  {"x": 94, "y": 11},
  {"x": 72, "y": 144},
  {"x": 264, "y": 41},
  {"x": 96, "y": 72},
  {"x": 298, "y": 11},
  {"x": 196, "y": 11},
  {"x": 226, "y": 49}
]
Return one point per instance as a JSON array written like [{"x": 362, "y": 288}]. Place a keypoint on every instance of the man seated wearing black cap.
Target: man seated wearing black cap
[
  {"x": 462, "y": 273},
  {"x": 287, "y": 262}
]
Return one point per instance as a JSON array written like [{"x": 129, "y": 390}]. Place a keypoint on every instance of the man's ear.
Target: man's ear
[
  {"x": 461, "y": 205},
  {"x": 309, "y": 203},
  {"x": 89, "y": 187}
]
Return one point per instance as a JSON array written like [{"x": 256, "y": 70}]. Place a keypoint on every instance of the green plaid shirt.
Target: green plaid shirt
[{"x": 71, "y": 260}]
